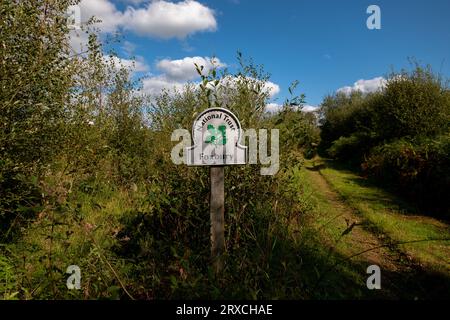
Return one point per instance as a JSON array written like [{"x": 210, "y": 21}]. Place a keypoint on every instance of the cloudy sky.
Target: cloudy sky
[{"x": 325, "y": 44}]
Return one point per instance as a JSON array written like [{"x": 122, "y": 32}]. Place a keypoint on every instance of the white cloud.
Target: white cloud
[
  {"x": 135, "y": 2},
  {"x": 153, "y": 86},
  {"x": 309, "y": 108},
  {"x": 273, "y": 107},
  {"x": 170, "y": 20},
  {"x": 78, "y": 41},
  {"x": 365, "y": 86},
  {"x": 184, "y": 69},
  {"x": 160, "y": 19},
  {"x": 104, "y": 10},
  {"x": 273, "y": 88},
  {"x": 137, "y": 65},
  {"x": 175, "y": 74}
]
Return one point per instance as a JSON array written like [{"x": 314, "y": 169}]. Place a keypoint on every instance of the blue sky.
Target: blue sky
[{"x": 324, "y": 44}]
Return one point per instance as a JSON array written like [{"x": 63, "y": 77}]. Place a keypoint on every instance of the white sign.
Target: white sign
[{"x": 217, "y": 134}]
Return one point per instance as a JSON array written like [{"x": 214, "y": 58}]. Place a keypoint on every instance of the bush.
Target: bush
[
  {"x": 343, "y": 146},
  {"x": 413, "y": 104},
  {"x": 8, "y": 282},
  {"x": 350, "y": 149},
  {"x": 419, "y": 168},
  {"x": 89, "y": 170},
  {"x": 398, "y": 135},
  {"x": 35, "y": 81}
]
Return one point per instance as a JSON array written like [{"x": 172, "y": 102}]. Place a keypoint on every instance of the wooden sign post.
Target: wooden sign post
[
  {"x": 216, "y": 134},
  {"x": 217, "y": 209}
]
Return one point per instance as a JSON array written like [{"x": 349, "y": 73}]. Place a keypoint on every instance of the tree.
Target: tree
[{"x": 35, "y": 78}]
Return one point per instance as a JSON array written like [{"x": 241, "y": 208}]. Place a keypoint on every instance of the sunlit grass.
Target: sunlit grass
[{"x": 389, "y": 215}]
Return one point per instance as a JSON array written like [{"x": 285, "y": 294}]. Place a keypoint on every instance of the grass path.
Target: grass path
[{"x": 356, "y": 219}]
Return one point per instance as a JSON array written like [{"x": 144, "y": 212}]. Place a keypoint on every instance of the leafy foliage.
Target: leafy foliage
[
  {"x": 398, "y": 134},
  {"x": 35, "y": 78},
  {"x": 420, "y": 168},
  {"x": 87, "y": 179}
]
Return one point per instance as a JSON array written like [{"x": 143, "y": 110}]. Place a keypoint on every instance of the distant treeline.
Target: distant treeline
[{"x": 399, "y": 135}]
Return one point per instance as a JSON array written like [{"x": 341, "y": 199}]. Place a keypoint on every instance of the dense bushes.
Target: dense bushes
[
  {"x": 413, "y": 104},
  {"x": 86, "y": 177},
  {"x": 34, "y": 82},
  {"x": 420, "y": 168},
  {"x": 169, "y": 241},
  {"x": 299, "y": 130},
  {"x": 398, "y": 135},
  {"x": 350, "y": 149}
]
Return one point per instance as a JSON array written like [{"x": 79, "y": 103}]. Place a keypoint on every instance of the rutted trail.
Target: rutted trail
[
  {"x": 350, "y": 234},
  {"x": 353, "y": 240},
  {"x": 357, "y": 237}
]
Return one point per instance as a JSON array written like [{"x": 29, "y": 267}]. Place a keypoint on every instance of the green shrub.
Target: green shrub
[
  {"x": 413, "y": 104},
  {"x": 350, "y": 149},
  {"x": 86, "y": 176},
  {"x": 35, "y": 81},
  {"x": 419, "y": 168},
  {"x": 8, "y": 285},
  {"x": 399, "y": 135},
  {"x": 343, "y": 147}
]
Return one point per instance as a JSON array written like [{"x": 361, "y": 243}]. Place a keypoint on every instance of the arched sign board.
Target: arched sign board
[{"x": 217, "y": 135}]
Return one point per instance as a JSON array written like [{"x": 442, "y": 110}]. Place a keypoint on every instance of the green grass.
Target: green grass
[
  {"x": 325, "y": 218},
  {"x": 82, "y": 232},
  {"x": 391, "y": 216},
  {"x": 342, "y": 278},
  {"x": 307, "y": 261}
]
